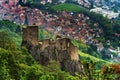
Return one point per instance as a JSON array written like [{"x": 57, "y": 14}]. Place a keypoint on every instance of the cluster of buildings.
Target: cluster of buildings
[
  {"x": 75, "y": 25},
  {"x": 11, "y": 2},
  {"x": 84, "y": 3},
  {"x": 99, "y": 3},
  {"x": 89, "y": 3},
  {"x": 105, "y": 13},
  {"x": 117, "y": 57},
  {"x": 45, "y": 1},
  {"x": 14, "y": 12}
]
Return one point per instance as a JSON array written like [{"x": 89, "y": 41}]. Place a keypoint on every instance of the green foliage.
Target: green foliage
[
  {"x": 107, "y": 73},
  {"x": 6, "y": 24},
  {"x": 6, "y": 41},
  {"x": 111, "y": 71},
  {"x": 14, "y": 65},
  {"x": 9, "y": 33},
  {"x": 43, "y": 34},
  {"x": 4, "y": 74},
  {"x": 7, "y": 36},
  {"x": 101, "y": 39},
  {"x": 33, "y": 1},
  {"x": 67, "y": 7},
  {"x": 116, "y": 29},
  {"x": 9, "y": 65},
  {"x": 85, "y": 48},
  {"x": 86, "y": 57}
]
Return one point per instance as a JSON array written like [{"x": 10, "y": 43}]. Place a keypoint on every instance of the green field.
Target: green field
[{"x": 67, "y": 7}]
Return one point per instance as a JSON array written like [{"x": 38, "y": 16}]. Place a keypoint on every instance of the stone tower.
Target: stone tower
[{"x": 30, "y": 34}]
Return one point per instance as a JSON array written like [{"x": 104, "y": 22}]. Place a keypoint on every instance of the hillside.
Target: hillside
[
  {"x": 17, "y": 63},
  {"x": 41, "y": 40},
  {"x": 23, "y": 62}
]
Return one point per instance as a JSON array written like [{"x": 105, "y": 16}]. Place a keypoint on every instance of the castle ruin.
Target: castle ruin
[
  {"x": 61, "y": 50},
  {"x": 30, "y": 34}
]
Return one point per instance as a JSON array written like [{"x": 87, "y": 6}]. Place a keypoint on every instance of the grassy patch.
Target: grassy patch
[
  {"x": 99, "y": 62},
  {"x": 67, "y": 7}
]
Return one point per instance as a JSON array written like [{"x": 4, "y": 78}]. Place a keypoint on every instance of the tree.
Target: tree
[
  {"x": 6, "y": 41},
  {"x": 4, "y": 74}
]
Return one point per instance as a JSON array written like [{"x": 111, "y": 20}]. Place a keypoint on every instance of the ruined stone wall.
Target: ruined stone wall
[
  {"x": 45, "y": 43},
  {"x": 30, "y": 33},
  {"x": 61, "y": 44},
  {"x": 73, "y": 51}
]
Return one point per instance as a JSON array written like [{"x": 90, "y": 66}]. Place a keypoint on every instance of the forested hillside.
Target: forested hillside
[
  {"x": 16, "y": 63},
  {"x": 92, "y": 34}
]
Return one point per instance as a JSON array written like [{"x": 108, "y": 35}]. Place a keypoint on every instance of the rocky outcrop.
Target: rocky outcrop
[{"x": 62, "y": 50}]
